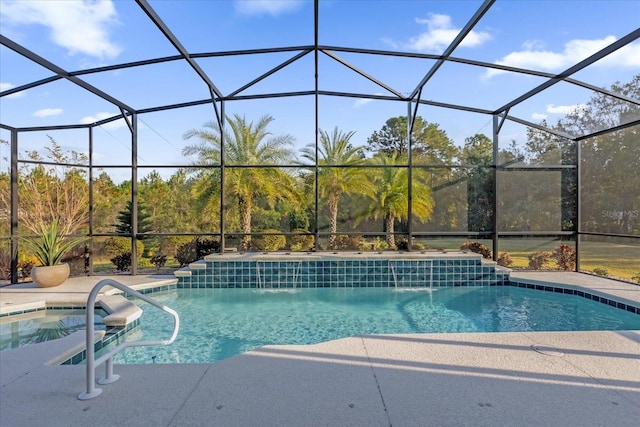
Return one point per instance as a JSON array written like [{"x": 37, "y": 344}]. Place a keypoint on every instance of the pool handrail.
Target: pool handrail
[{"x": 92, "y": 363}]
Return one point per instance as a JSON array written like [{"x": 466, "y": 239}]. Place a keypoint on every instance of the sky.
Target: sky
[{"x": 547, "y": 36}]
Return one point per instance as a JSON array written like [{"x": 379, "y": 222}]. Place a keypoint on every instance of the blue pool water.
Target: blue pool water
[
  {"x": 219, "y": 323},
  {"x": 43, "y": 325}
]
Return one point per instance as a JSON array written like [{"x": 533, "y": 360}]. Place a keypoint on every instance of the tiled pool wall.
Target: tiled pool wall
[
  {"x": 112, "y": 334},
  {"x": 323, "y": 273},
  {"x": 41, "y": 308},
  {"x": 559, "y": 289}
]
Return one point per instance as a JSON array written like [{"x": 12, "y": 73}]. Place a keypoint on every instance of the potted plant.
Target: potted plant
[{"x": 49, "y": 248}]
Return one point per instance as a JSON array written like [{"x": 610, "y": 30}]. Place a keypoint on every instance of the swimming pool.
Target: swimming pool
[{"x": 219, "y": 323}]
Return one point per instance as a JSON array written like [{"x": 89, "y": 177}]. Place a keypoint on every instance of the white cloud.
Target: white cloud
[
  {"x": 363, "y": 101},
  {"x": 441, "y": 33},
  {"x": 558, "y": 109},
  {"x": 116, "y": 124},
  {"x": 47, "y": 112},
  {"x": 534, "y": 56},
  {"x": 534, "y": 45},
  {"x": 7, "y": 86},
  {"x": 78, "y": 26},
  {"x": 271, "y": 7},
  {"x": 564, "y": 109},
  {"x": 628, "y": 56}
]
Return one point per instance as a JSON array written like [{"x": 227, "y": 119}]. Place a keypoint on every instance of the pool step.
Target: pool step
[
  {"x": 194, "y": 266},
  {"x": 121, "y": 310}
]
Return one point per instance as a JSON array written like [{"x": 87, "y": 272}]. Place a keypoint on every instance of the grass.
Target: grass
[{"x": 620, "y": 260}]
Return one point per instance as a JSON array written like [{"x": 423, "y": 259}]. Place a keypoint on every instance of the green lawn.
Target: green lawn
[{"x": 620, "y": 260}]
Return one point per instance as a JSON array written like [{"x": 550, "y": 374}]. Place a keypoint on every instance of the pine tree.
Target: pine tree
[{"x": 124, "y": 219}]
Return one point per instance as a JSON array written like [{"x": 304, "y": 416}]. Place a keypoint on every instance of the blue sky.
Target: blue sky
[{"x": 543, "y": 35}]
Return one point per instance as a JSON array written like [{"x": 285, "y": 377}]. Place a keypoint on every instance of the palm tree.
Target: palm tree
[
  {"x": 389, "y": 194},
  {"x": 335, "y": 151},
  {"x": 246, "y": 145}
]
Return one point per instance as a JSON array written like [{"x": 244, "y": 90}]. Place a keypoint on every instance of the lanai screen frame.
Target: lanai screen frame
[{"x": 218, "y": 102}]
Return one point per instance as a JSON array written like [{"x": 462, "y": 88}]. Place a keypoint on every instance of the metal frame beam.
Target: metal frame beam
[
  {"x": 133, "y": 125},
  {"x": 153, "y": 16},
  {"x": 268, "y": 73},
  {"x": 13, "y": 216},
  {"x": 21, "y": 50},
  {"x": 316, "y": 98},
  {"x": 484, "y": 8},
  {"x": 632, "y": 36},
  {"x": 494, "y": 198},
  {"x": 362, "y": 73}
]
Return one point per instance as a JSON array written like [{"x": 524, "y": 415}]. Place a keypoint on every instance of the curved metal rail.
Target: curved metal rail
[{"x": 92, "y": 363}]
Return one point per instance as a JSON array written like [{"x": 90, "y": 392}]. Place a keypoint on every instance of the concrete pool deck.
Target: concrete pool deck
[{"x": 530, "y": 378}]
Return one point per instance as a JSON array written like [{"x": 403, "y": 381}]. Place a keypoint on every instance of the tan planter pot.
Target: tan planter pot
[{"x": 48, "y": 276}]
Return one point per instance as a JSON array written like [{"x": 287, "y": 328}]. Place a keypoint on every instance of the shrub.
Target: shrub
[
  {"x": 119, "y": 245},
  {"x": 504, "y": 260},
  {"x": 5, "y": 264},
  {"x": 636, "y": 278},
  {"x": 476, "y": 247},
  {"x": 270, "y": 242},
  {"x": 537, "y": 260},
  {"x": 565, "y": 257},
  {"x": 601, "y": 271},
  {"x": 301, "y": 242},
  {"x": 345, "y": 242},
  {"x": 144, "y": 263},
  {"x": 122, "y": 261},
  {"x": 186, "y": 253},
  {"x": 159, "y": 260},
  {"x": 25, "y": 266},
  {"x": 206, "y": 246},
  {"x": 377, "y": 244},
  {"x": 139, "y": 248},
  {"x": 196, "y": 249},
  {"x": 403, "y": 244},
  {"x": 78, "y": 260},
  {"x": 170, "y": 244},
  {"x": 298, "y": 220},
  {"x": 417, "y": 246}
]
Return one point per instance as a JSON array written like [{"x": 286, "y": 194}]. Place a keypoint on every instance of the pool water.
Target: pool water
[
  {"x": 219, "y": 323},
  {"x": 43, "y": 325}
]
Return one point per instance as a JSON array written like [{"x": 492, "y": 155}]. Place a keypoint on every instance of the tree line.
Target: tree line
[{"x": 269, "y": 188}]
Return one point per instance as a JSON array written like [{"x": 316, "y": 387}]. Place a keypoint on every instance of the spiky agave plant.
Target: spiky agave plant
[{"x": 51, "y": 245}]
